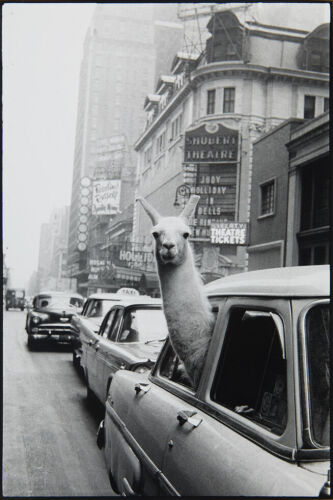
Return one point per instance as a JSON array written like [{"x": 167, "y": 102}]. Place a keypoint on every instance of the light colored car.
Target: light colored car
[
  {"x": 93, "y": 313},
  {"x": 258, "y": 423},
  {"x": 130, "y": 337}
]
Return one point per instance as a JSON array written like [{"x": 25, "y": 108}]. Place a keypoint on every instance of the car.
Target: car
[
  {"x": 15, "y": 298},
  {"x": 258, "y": 422},
  {"x": 130, "y": 337},
  {"x": 49, "y": 320},
  {"x": 94, "y": 310}
]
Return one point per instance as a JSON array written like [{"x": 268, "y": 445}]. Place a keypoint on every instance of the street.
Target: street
[{"x": 49, "y": 431}]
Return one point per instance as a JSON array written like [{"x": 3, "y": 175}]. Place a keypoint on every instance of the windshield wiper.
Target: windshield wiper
[{"x": 155, "y": 340}]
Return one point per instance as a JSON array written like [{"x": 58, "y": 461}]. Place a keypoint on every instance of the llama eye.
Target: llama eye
[
  {"x": 155, "y": 234},
  {"x": 186, "y": 235}
]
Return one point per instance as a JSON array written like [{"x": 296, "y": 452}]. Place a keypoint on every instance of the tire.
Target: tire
[
  {"x": 31, "y": 343},
  {"x": 75, "y": 360}
]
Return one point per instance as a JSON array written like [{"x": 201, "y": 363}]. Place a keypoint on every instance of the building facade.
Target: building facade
[
  {"x": 126, "y": 47},
  {"x": 205, "y": 115}
]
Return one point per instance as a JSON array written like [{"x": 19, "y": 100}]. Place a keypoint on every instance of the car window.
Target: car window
[
  {"x": 112, "y": 335},
  {"x": 318, "y": 354},
  {"x": 143, "y": 325},
  {"x": 97, "y": 308},
  {"x": 173, "y": 369},
  {"x": 107, "y": 322},
  {"x": 251, "y": 378}
]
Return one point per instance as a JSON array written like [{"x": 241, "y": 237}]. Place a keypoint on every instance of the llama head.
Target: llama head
[{"x": 171, "y": 233}]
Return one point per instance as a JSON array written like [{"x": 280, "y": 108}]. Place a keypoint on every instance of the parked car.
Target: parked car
[
  {"x": 15, "y": 298},
  {"x": 258, "y": 423},
  {"x": 131, "y": 336},
  {"x": 49, "y": 320},
  {"x": 93, "y": 313}
]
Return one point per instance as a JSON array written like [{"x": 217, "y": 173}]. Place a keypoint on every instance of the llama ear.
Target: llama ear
[
  {"x": 151, "y": 211},
  {"x": 190, "y": 206}
]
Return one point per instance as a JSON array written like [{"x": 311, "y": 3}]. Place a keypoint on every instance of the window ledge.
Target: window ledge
[
  {"x": 271, "y": 214},
  {"x": 159, "y": 156}
]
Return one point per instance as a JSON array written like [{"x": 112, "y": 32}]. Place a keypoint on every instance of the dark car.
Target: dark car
[
  {"x": 257, "y": 425},
  {"x": 49, "y": 320},
  {"x": 15, "y": 298},
  {"x": 130, "y": 337}
]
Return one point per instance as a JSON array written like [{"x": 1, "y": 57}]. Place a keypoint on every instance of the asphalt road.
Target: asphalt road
[{"x": 49, "y": 431}]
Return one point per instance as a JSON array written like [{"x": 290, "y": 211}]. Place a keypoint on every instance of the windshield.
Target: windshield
[
  {"x": 142, "y": 325},
  {"x": 97, "y": 308},
  {"x": 58, "y": 302},
  {"x": 317, "y": 339}
]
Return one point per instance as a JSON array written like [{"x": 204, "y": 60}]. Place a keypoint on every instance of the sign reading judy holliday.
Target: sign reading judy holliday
[
  {"x": 211, "y": 143},
  {"x": 229, "y": 233},
  {"x": 105, "y": 197}
]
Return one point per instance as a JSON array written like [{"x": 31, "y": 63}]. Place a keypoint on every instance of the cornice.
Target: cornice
[{"x": 221, "y": 69}]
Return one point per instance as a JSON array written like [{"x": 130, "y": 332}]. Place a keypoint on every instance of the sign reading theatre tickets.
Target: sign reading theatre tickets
[
  {"x": 211, "y": 143},
  {"x": 229, "y": 233},
  {"x": 106, "y": 197}
]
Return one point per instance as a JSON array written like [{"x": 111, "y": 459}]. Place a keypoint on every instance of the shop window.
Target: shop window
[
  {"x": 211, "y": 101},
  {"x": 229, "y": 100},
  {"x": 309, "y": 106},
  {"x": 267, "y": 196},
  {"x": 251, "y": 378},
  {"x": 313, "y": 254}
]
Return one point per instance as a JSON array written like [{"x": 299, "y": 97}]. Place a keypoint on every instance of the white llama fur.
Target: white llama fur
[{"x": 186, "y": 307}]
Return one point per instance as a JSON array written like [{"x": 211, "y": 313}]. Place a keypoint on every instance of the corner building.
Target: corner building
[{"x": 203, "y": 118}]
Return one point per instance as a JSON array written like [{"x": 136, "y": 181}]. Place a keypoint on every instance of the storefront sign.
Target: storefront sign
[
  {"x": 211, "y": 143},
  {"x": 229, "y": 233},
  {"x": 106, "y": 197}
]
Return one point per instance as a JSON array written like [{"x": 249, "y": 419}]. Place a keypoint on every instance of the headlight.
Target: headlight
[
  {"x": 142, "y": 369},
  {"x": 37, "y": 317}
]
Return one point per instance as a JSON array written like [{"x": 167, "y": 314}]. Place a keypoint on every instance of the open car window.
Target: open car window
[
  {"x": 143, "y": 325},
  {"x": 251, "y": 378},
  {"x": 173, "y": 369}
]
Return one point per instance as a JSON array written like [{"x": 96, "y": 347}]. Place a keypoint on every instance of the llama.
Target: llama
[{"x": 186, "y": 307}]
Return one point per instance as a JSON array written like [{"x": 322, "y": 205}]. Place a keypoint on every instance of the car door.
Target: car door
[{"x": 237, "y": 440}]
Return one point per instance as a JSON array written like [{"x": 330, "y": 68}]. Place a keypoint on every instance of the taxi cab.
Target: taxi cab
[{"x": 258, "y": 422}]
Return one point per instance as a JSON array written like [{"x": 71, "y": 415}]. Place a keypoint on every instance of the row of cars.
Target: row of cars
[{"x": 258, "y": 422}]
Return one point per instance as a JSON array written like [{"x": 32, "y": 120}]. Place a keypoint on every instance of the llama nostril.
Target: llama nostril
[{"x": 168, "y": 245}]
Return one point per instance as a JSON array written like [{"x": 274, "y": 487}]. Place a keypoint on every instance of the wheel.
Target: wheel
[{"x": 75, "y": 360}]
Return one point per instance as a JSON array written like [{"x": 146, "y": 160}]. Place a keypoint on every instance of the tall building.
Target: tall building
[
  {"x": 256, "y": 71},
  {"x": 126, "y": 47}
]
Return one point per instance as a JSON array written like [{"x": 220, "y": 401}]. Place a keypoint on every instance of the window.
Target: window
[
  {"x": 147, "y": 157},
  {"x": 106, "y": 325},
  {"x": 318, "y": 348},
  {"x": 251, "y": 378},
  {"x": 176, "y": 127},
  {"x": 267, "y": 198},
  {"x": 315, "y": 195},
  {"x": 160, "y": 143},
  {"x": 211, "y": 101},
  {"x": 173, "y": 369},
  {"x": 309, "y": 106},
  {"x": 229, "y": 100},
  {"x": 326, "y": 104},
  {"x": 144, "y": 325}
]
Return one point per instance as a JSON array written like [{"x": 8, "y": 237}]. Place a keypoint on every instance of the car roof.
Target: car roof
[
  {"x": 300, "y": 281},
  {"x": 60, "y": 294},
  {"x": 116, "y": 296},
  {"x": 138, "y": 300}
]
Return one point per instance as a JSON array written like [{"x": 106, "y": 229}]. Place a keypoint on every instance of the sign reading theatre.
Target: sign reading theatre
[
  {"x": 211, "y": 143},
  {"x": 229, "y": 233}
]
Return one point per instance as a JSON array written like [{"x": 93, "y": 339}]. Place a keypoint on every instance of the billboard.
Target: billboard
[
  {"x": 212, "y": 143},
  {"x": 106, "y": 197}
]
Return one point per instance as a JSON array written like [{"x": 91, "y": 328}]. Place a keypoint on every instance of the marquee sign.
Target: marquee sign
[{"x": 211, "y": 143}]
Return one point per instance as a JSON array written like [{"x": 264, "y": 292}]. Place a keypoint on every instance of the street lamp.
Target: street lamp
[{"x": 183, "y": 193}]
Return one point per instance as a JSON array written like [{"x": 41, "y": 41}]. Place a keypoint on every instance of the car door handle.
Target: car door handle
[
  {"x": 97, "y": 346},
  {"x": 188, "y": 416},
  {"x": 141, "y": 387}
]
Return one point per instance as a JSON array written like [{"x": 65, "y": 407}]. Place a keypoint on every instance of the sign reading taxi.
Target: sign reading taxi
[
  {"x": 229, "y": 233},
  {"x": 211, "y": 143}
]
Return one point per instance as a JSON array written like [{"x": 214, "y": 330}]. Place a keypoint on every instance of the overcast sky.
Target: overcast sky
[{"x": 42, "y": 52}]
